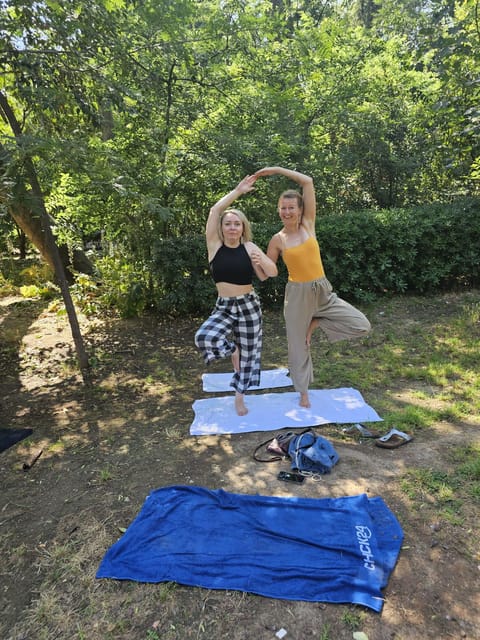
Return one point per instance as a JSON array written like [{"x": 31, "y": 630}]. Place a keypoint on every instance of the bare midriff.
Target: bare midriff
[{"x": 228, "y": 290}]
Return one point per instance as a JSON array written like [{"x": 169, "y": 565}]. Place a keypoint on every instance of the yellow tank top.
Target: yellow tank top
[{"x": 304, "y": 262}]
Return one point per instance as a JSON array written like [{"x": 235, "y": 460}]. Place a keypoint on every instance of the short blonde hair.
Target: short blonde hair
[{"x": 247, "y": 229}]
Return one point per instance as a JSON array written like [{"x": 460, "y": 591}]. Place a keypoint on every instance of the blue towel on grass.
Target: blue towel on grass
[
  {"x": 319, "y": 550},
  {"x": 9, "y": 437}
]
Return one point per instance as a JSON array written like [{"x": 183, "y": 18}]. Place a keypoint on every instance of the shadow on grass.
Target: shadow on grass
[{"x": 108, "y": 445}]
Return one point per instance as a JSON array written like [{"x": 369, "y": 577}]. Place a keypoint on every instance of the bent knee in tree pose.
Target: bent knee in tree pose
[
  {"x": 234, "y": 328},
  {"x": 309, "y": 300}
]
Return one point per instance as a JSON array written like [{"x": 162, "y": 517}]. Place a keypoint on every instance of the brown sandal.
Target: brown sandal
[{"x": 393, "y": 439}]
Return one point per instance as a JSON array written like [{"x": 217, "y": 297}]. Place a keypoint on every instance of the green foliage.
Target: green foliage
[
  {"x": 419, "y": 250},
  {"x": 33, "y": 291},
  {"x": 87, "y": 295},
  {"x": 139, "y": 115},
  {"x": 27, "y": 278},
  {"x": 123, "y": 286},
  {"x": 325, "y": 632},
  {"x": 7, "y": 288},
  {"x": 182, "y": 281},
  {"x": 365, "y": 254},
  {"x": 448, "y": 490},
  {"x": 35, "y": 274},
  {"x": 353, "y": 619}
]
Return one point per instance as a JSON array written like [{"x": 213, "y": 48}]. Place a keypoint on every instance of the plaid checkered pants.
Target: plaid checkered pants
[{"x": 239, "y": 317}]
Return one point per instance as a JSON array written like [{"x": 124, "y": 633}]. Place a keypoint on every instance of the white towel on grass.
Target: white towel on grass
[
  {"x": 269, "y": 379},
  {"x": 280, "y": 410}
]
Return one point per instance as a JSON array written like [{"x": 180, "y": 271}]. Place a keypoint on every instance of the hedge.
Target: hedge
[{"x": 366, "y": 254}]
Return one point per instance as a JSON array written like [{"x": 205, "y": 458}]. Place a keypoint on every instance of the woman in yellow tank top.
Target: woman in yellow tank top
[{"x": 309, "y": 298}]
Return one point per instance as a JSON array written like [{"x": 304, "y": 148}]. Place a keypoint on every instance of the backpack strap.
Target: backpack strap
[
  {"x": 298, "y": 446},
  {"x": 290, "y": 436},
  {"x": 272, "y": 458}
]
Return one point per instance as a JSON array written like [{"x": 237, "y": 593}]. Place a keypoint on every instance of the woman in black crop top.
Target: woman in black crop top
[{"x": 234, "y": 327}]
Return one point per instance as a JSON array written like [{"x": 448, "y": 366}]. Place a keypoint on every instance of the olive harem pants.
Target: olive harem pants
[
  {"x": 306, "y": 301},
  {"x": 239, "y": 317}
]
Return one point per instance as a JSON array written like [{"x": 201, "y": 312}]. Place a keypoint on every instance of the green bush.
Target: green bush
[
  {"x": 7, "y": 288},
  {"x": 365, "y": 253},
  {"x": 124, "y": 286},
  {"x": 29, "y": 278},
  {"x": 420, "y": 250},
  {"x": 181, "y": 280}
]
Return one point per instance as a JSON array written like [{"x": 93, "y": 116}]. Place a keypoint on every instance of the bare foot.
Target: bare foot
[
  {"x": 236, "y": 359},
  {"x": 240, "y": 407},
  {"x": 313, "y": 325},
  {"x": 304, "y": 400}
]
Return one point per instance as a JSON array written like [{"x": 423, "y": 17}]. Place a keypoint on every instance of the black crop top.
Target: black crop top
[{"x": 232, "y": 265}]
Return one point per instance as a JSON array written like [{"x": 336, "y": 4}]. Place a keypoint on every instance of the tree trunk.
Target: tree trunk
[
  {"x": 48, "y": 243},
  {"x": 22, "y": 243},
  {"x": 32, "y": 227}
]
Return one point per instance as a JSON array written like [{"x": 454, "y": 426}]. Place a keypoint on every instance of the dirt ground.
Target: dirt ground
[{"x": 106, "y": 445}]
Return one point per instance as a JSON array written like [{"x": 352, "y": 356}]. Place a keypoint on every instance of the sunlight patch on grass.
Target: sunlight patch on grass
[
  {"x": 411, "y": 418},
  {"x": 448, "y": 492},
  {"x": 57, "y": 447},
  {"x": 454, "y": 412},
  {"x": 112, "y": 424},
  {"x": 439, "y": 361},
  {"x": 469, "y": 461}
]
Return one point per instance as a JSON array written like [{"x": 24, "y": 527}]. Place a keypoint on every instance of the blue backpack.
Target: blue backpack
[{"x": 309, "y": 452}]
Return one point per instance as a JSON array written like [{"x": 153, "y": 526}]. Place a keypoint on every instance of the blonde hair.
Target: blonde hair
[
  {"x": 247, "y": 229},
  {"x": 291, "y": 193}
]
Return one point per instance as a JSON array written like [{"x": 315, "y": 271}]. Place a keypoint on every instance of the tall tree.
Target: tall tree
[
  {"x": 55, "y": 102},
  {"x": 51, "y": 247}
]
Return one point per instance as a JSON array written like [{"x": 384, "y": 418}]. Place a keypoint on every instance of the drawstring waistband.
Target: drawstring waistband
[
  {"x": 318, "y": 283},
  {"x": 314, "y": 284}
]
